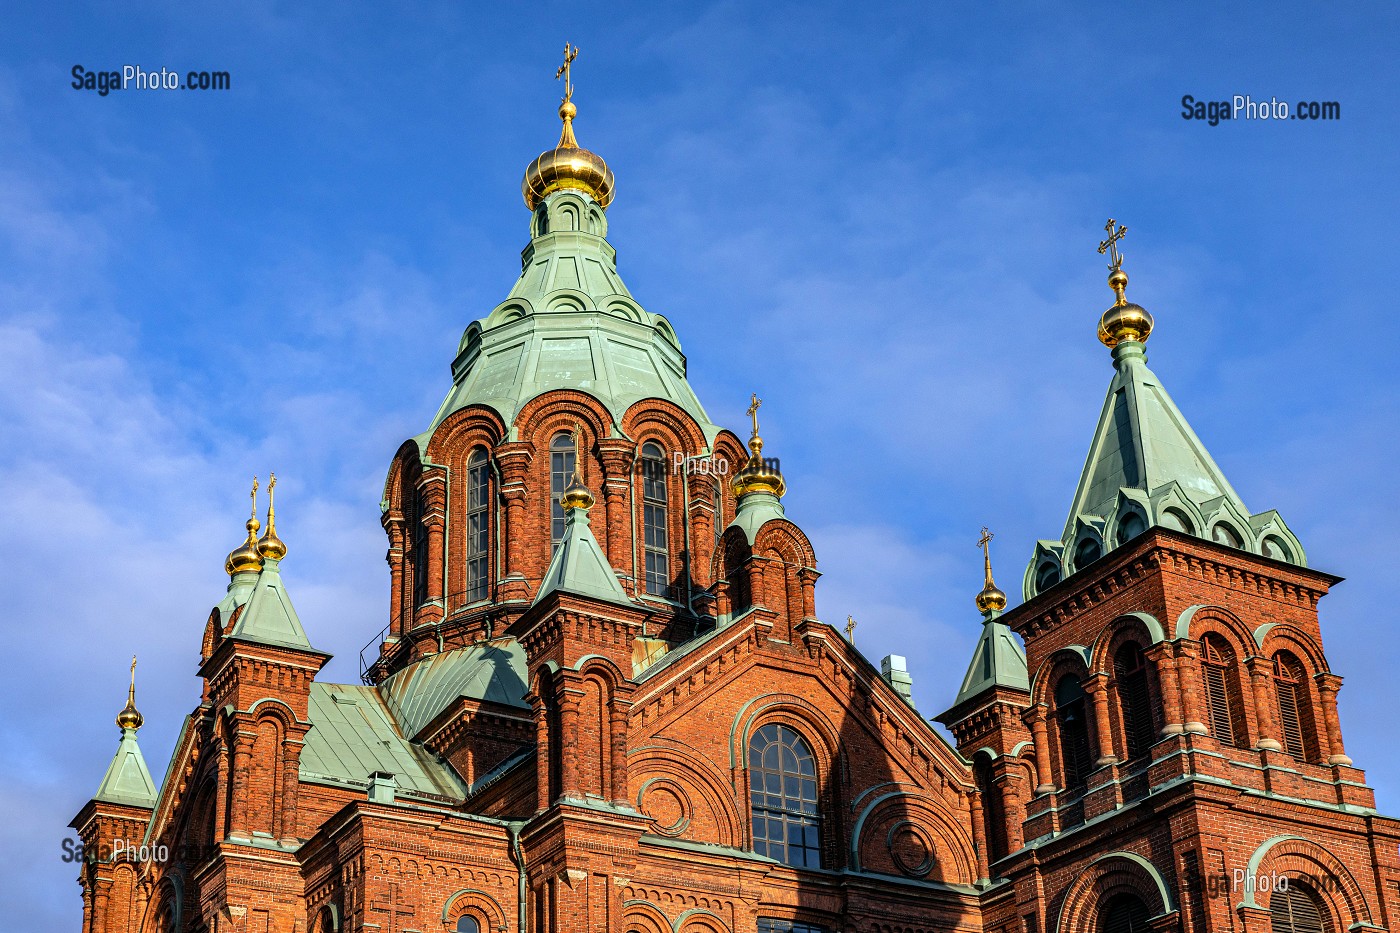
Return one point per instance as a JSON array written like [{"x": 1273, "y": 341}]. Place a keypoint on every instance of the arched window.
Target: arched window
[
  {"x": 1298, "y": 910},
  {"x": 478, "y": 525},
  {"x": 1217, "y": 671},
  {"x": 468, "y": 925},
  {"x": 419, "y": 557},
  {"x": 1086, "y": 552},
  {"x": 1124, "y": 913},
  {"x": 561, "y": 470},
  {"x": 1071, "y": 713},
  {"x": 1224, "y": 534},
  {"x": 783, "y": 791},
  {"x": 1134, "y": 699},
  {"x": 993, "y": 822},
  {"x": 1046, "y": 575},
  {"x": 1275, "y": 549},
  {"x": 1176, "y": 520},
  {"x": 1294, "y": 708},
  {"x": 1130, "y": 526},
  {"x": 654, "y": 538}
]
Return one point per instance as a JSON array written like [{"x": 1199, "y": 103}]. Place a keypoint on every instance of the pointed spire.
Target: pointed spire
[
  {"x": 271, "y": 547},
  {"x": 990, "y": 600},
  {"x": 244, "y": 558},
  {"x": 128, "y": 780},
  {"x": 579, "y": 565}
]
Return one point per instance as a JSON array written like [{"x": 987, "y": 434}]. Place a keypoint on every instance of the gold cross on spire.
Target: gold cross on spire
[
  {"x": 578, "y": 454},
  {"x": 254, "y": 496},
  {"x": 851, "y": 629},
  {"x": 570, "y": 53},
  {"x": 1110, "y": 246},
  {"x": 984, "y": 543},
  {"x": 752, "y": 412}
]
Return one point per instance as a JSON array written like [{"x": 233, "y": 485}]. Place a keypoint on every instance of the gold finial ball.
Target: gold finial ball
[
  {"x": 567, "y": 110},
  {"x": 1125, "y": 321},
  {"x": 576, "y": 496},
  {"x": 991, "y": 599},
  {"x": 130, "y": 718}
]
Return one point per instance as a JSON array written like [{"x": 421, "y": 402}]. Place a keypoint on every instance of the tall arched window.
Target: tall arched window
[
  {"x": 1071, "y": 713},
  {"x": 561, "y": 470},
  {"x": 419, "y": 557},
  {"x": 783, "y": 791},
  {"x": 993, "y": 820},
  {"x": 478, "y": 548},
  {"x": 1124, "y": 913},
  {"x": 1134, "y": 699},
  {"x": 1217, "y": 672},
  {"x": 468, "y": 925},
  {"x": 1298, "y": 910},
  {"x": 655, "y": 540},
  {"x": 1294, "y": 708}
]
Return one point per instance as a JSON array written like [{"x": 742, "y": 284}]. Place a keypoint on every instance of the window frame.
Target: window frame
[
  {"x": 476, "y": 527},
  {"x": 656, "y": 532},
  {"x": 792, "y": 810},
  {"x": 562, "y": 464}
]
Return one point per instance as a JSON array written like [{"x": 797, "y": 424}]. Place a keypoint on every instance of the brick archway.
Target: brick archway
[
  {"x": 1306, "y": 861},
  {"x": 1116, "y": 873}
]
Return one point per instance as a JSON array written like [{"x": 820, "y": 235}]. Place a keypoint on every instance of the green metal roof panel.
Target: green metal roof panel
[
  {"x": 128, "y": 780},
  {"x": 353, "y": 735},
  {"x": 494, "y": 671},
  {"x": 757, "y": 509},
  {"x": 579, "y": 566},
  {"x": 269, "y": 617},
  {"x": 569, "y": 322},
  {"x": 997, "y": 661}
]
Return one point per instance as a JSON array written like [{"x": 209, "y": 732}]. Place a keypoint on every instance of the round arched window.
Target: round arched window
[
  {"x": 1086, "y": 552},
  {"x": 1130, "y": 526},
  {"x": 1224, "y": 534},
  {"x": 783, "y": 792},
  {"x": 1298, "y": 909},
  {"x": 1124, "y": 913},
  {"x": 1275, "y": 549},
  {"x": 1176, "y": 520},
  {"x": 1046, "y": 575},
  {"x": 467, "y": 925}
]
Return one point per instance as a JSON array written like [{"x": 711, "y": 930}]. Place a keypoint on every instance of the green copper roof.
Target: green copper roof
[
  {"x": 1147, "y": 467},
  {"x": 755, "y": 510},
  {"x": 353, "y": 735},
  {"x": 240, "y": 587},
  {"x": 569, "y": 323},
  {"x": 997, "y": 661},
  {"x": 269, "y": 617},
  {"x": 579, "y": 566},
  {"x": 494, "y": 671},
  {"x": 128, "y": 780}
]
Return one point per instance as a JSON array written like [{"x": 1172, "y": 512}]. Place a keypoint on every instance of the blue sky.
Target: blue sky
[{"x": 880, "y": 218}]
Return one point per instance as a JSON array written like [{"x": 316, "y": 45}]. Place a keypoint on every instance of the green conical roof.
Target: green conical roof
[
  {"x": 569, "y": 323},
  {"x": 1146, "y": 467},
  {"x": 268, "y": 617},
  {"x": 997, "y": 661},
  {"x": 128, "y": 780},
  {"x": 579, "y": 566}
]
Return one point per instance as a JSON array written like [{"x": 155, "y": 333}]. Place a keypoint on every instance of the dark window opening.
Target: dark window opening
[
  {"x": 1217, "y": 661},
  {"x": 478, "y": 548},
  {"x": 655, "y": 546},
  {"x": 1124, "y": 913},
  {"x": 1135, "y": 699},
  {"x": 1071, "y": 711}
]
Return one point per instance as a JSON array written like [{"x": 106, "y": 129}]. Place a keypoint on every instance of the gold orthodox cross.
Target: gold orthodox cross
[
  {"x": 850, "y": 629},
  {"x": 1110, "y": 246},
  {"x": 985, "y": 540},
  {"x": 570, "y": 53},
  {"x": 254, "y": 496},
  {"x": 752, "y": 412},
  {"x": 578, "y": 434}
]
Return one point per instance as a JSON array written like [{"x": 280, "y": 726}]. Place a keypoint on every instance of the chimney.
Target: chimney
[
  {"x": 894, "y": 669},
  {"x": 381, "y": 787}
]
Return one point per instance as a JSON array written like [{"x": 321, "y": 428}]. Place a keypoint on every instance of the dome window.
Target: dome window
[
  {"x": 1086, "y": 552},
  {"x": 1046, "y": 575},
  {"x": 1176, "y": 520},
  {"x": 1130, "y": 526},
  {"x": 1224, "y": 534}
]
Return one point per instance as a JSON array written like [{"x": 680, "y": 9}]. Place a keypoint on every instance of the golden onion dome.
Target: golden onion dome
[
  {"x": 756, "y": 475},
  {"x": 130, "y": 717},
  {"x": 567, "y": 165},
  {"x": 1125, "y": 320},
  {"x": 990, "y": 599},
  {"x": 245, "y": 557},
  {"x": 576, "y": 495},
  {"x": 271, "y": 547}
]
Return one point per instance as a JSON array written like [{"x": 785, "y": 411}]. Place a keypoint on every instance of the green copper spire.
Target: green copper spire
[
  {"x": 569, "y": 322},
  {"x": 579, "y": 566},
  {"x": 128, "y": 780},
  {"x": 1146, "y": 467},
  {"x": 998, "y": 660},
  {"x": 268, "y": 617}
]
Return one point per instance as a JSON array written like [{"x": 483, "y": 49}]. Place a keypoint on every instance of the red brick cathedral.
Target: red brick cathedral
[{"x": 604, "y": 700}]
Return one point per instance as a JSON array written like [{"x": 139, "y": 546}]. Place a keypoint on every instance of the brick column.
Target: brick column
[
  {"x": 621, "y": 792},
  {"x": 1328, "y": 684},
  {"x": 619, "y": 457},
  {"x": 513, "y": 459},
  {"x": 543, "y": 765},
  {"x": 1035, "y": 718},
  {"x": 1014, "y": 808},
  {"x": 242, "y": 753},
  {"x": 1163, "y": 657},
  {"x": 1097, "y": 688},
  {"x": 432, "y": 493},
  {"x": 1260, "y": 676},
  {"x": 568, "y": 743},
  {"x": 1189, "y": 678},
  {"x": 979, "y": 834},
  {"x": 393, "y": 526}
]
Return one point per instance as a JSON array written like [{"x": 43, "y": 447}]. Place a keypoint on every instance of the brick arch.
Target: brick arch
[
  {"x": 478, "y": 905},
  {"x": 644, "y": 917},
  {"x": 558, "y": 410},
  {"x": 663, "y": 416},
  {"x": 1115, "y": 873},
  {"x": 169, "y": 895},
  {"x": 695, "y": 774},
  {"x": 1284, "y": 636},
  {"x": 404, "y": 470},
  {"x": 1139, "y": 626},
  {"x": 1069, "y": 658},
  {"x": 700, "y": 920},
  {"x": 463, "y": 429},
  {"x": 953, "y": 857},
  {"x": 1200, "y": 619},
  {"x": 1297, "y": 857}
]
